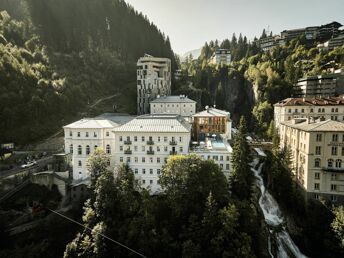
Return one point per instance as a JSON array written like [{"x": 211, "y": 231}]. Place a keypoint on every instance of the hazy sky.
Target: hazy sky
[{"x": 190, "y": 23}]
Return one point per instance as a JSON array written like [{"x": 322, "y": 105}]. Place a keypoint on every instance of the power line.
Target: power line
[{"x": 112, "y": 240}]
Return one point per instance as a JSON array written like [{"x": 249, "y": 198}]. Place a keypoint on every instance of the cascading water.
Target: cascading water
[{"x": 274, "y": 218}]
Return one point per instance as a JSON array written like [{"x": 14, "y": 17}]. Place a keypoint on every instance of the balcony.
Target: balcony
[
  {"x": 128, "y": 152},
  {"x": 150, "y": 152},
  {"x": 173, "y": 142},
  {"x": 128, "y": 142},
  {"x": 334, "y": 170},
  {"x": 150, "y": 142},
  {"x": 173, "y": 153}
]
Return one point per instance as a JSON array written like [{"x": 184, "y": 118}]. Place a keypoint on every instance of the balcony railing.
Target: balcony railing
[
  {"x": 173, "y": 142},
  {"x": 128, "y": 142},
  {"x": 150, "y": 142},
  {"x": 150, "y": 152},
  {"x": 173, "y": 153},
  {"x": 335, "y": 170},
  {"x": 128, "y": 152}
]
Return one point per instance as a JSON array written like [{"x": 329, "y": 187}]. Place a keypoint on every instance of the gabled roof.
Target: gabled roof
[
  {"x": 322, "y": 126},
  {"x": 330, "y": 101},
  {"x": 212, "y": 112},
  {"x": 173, "y": 99},
  {"x": 161, "y": 123}
]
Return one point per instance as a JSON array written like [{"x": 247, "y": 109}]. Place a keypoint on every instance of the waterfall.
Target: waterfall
[{"x": 274, "y": 219}]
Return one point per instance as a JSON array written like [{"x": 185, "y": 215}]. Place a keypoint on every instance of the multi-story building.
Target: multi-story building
[
  {"x": 313, "y": 108},
  {"x": 317, "y": 153},
  {"x": 178, "y": 105},
  {"x": 216, "y": 148},
  {"x": 316, "y": 86},
  {"x": 211, "y": 121},
  {"x": 270, "y": 42},
  {"x": 153, "y": 79},
  {"x": 221, "y": 56},
  {"x": 84, "y": 136},
  {"x": 146, "y": 142}
]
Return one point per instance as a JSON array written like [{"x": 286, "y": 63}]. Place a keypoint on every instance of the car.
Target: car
[{"x": 29, "y": 164}]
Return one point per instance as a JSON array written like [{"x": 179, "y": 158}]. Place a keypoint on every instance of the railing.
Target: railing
[
  {"x": 173, "y": 152},
  {"x": 128, "y": 142},
  {"x": 150, "y": 142},
  {"x": 173, "y": 142},
  {"x": 335, "y": 170},
  {"x": 128, "y": 152},
  {"x": 150, "y": 152}
]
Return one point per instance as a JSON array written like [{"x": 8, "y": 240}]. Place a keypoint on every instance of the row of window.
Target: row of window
[
  {"x": 333, "y": 187},
  {"x": 330, "y": 163},
  {"x": 150, "y": 138},
  {"x": 333, "y": 197},
  {"x": 78, "y": 134},
  {"x": 320, "y": 110},
  {"x": 172, "y": 105},
  {"x": 333, "y": 176},
  {"x": 88, "y": 149},
  {"x": 150, "y": 148},
  {"x": 334, "y": 150},
  {"x": 216, "y": 157},
  {"x": 143, "y": 159},
  {"x": 151, "y": 171},
  {"x": 80, "y": 164}
]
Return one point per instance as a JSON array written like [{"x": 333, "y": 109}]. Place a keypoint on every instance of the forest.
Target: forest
[{"x": 59, "y": 56}]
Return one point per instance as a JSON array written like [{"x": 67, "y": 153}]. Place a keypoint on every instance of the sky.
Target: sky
[{"x": 190, "y": 23}]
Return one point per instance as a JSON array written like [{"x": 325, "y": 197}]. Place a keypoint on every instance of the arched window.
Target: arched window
[
  {"x": 338, "y": 163},
  {"x": 79, "y": 150},
  {"x": 330, "y": 163},
  {"x": 71, "y": 148},
  {"x": 88, "y": 149},
  {"x": 317, "y": 163},
  {"x": 95, "y": 147},
  {"x": 108, "y": 149},
  {"x": 79, "y": 163}
]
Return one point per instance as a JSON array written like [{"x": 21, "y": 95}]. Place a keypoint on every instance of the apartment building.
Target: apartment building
[
  {"x": 312, "y": 108},
  {"x": 268, "y": 43},
  {"x": 316, "y": 86},
  {"x": 221, "y": 56},
  {"x": 211, "y": 121},
  {"x": 178, "y": 105},
  {"x": 317, "y": 149},
  {"x": 153, "y": 79},
  {"x": 83, "y": 137},
  {"x": 146, "y": 142}
]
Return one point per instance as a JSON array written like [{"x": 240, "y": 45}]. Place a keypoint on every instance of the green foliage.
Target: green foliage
[{"x": 337, "y": 224}]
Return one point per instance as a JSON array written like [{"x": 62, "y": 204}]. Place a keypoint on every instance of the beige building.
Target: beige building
[
  {"x": 317, "y": 150},
  {"x": 221, "y": 56},
  {"x": 324, "y": 108},
  {"x": 153, "y": 79}
]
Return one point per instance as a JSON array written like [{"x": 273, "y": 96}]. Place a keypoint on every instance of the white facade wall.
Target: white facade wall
[
  {"x": 133, "y": 148},
  {"x": 221, "y": 158},
  {"x": 178, "y": 108}
]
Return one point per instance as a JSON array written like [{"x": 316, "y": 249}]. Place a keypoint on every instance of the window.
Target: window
[
  {"x": 330, "y": 163},
  {"x": 323, "y": 110},
  {"x": 227, "y": 166},
  {"x": 165, "y": 148},
  {"x": 108, "y": 149},
  {"x": 135, "y": 148},
  {"x": 95, "y": 147},
  {"x": 319, "y": 136},
  {"x": 143, "y": 171},
  {"x": 296, "y": 110},
  {"x": 317, "y": 163},
  {"x": 158, "y": 160},
  {"x": 135, "y": 138},
  {"x": 120, "y": 138},
  {"x": 333, "y": 198},
  {"x": 86, "y": 134},
  {"x": 136, "y": 171},
  {"x": 302, "y": 111},
  {"x": 157, "y": 148},
  {"x": 165, "y": 160},
  {"x": 316, "y": 196},
  {"x": 151, "y": 171},
  {"x": 334, "y": 150},
  {"x": 143, "y": 148},
  {"x": 79, "y": 163},
  {"x": 143, "y": 159},
  {"x": 158, "y": 138},
  {"x": 94, "y": 134},
  {"x": 165, "y": 139},
  {"x": 336, "y": 109},
  {"x": 333, "y": 176},
  {"x": 151, "y": 182},
  {"x": 128, "y": 159},
  {"x": 143, "y": 138},
  {"x": 311, "y": 110},
  {"x": 289, "y": 110},
  {"x": 227, "y": 158},
  {"x": 316, "y": 175},
  {"x": 151, "y": 158},
  {"x": 79, "y": 150},
  {"x": 334, "y": 137},
  {"x": 316, "y": 186},
  {"x": 71, "y": 148},
  {"x": 158, "y": 171},
  {"x": 143, "y": 182},
  {"x": 333, "y": 187},
  {"x": 136, "y": 159},
  {"x": 120, "y": 159},
  {"x": 221, "y": 158},
  {"x": 338, "y": 163},
  {"x": 78, "y": 134},
  {"x": 181, "y": 149},
  {"x": 108, "y": 134},
  {"x": 180, "y": 139},
  {"x": 70, "y": 133},
  {"x": 317, "y": 150},
  {"x": 88, "y": 149}
]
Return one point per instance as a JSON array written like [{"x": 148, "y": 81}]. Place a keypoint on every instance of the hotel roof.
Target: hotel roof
[
  {"x": 107, "y": 120},
  {"x": 322, "y": 126},
  {"x": 212, "y": 112},
  {"x": 163, "y": 123},
  {"x": 173, "y": 99},
  {"x": 311, "y": 102}
]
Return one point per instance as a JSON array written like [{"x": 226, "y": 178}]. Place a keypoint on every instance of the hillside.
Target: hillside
[{"x": 58, "y": 56}]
